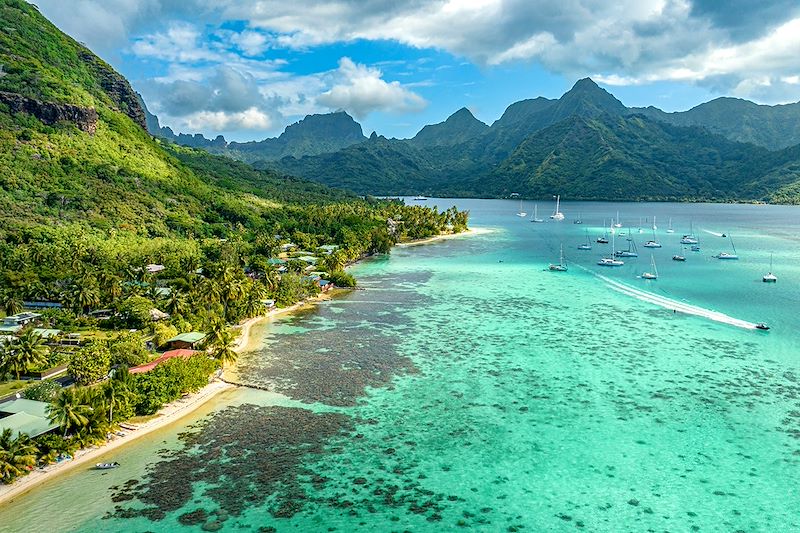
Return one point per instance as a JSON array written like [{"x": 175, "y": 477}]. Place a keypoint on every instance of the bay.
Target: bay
[{"x": 468, "y": 387}]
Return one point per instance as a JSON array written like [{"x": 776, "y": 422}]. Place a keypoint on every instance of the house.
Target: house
[
  {"x": 288, "y": 246},
  {"x": 188, "y": 341},
  {"x": 310, "y": 259},
  {"x": 269, "y": 304},
  {"x": 154, "y": 268},
  {"x": 25, "y": 416},
  {"x": 275, "y": 261},
  {"x": 328, "y": 249},
  {"x": 42, "y": 305},
  {"x": 182, "y": 353},
  {"x": 47, "y": 334},
  {"x": 21, "y": 319}
]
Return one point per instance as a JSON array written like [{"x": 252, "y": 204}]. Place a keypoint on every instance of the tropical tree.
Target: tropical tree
[
  {"x": 25, "y": 351},
  {"x": 69, "y": 411},
  {"x": 177, "y": 304},
  {"x": 222, "y": 343},
  {"x": 10, "y": 302},
  {"x": 91, "y": 363},
  {"x": 17, "y": 456}
]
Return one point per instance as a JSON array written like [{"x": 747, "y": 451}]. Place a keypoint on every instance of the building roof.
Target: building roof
[
  {"x": 276, "y": 261},
  {"x": 190, "y": 337},
  {"x": 47, "y": 333},
  {"x": 185, "y": 354},
  {"x": 4, "y": 328},
  {"x": 21, "y": 405},
  {"x": 154, "y": 267},
  {"x": 307, "y": 258},
  {"x": 31, "y": 425}
]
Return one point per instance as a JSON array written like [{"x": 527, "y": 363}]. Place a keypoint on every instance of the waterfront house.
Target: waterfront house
[
  {"x": 147, "y": 367},
  {"x": 21, "y": 319},
  {"x": 25, "y": 416},
  {"x": 187, "y": 341}
]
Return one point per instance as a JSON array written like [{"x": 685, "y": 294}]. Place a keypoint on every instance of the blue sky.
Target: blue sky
[{"x": 246, "y": 69}]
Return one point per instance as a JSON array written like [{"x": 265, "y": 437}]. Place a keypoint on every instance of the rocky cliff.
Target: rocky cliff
[{"x": 85, "y": 118}]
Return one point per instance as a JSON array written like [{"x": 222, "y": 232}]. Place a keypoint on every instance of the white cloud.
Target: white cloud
[
  {"x": 249, "y": 119},
  {"x": 361, "y": 90}
]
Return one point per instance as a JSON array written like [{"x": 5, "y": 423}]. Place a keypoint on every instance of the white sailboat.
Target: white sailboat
[
  {"x": 654, "y": 223},
  {"x": 630, "y": 252},
  {"x": 611, "y": 261},
  {"x": 557, "y": 215},
  {"x": 617, "y": 223},
  {"x": 769, "y": 277},
  {"x": 653, "y": 243},
  {"x": 680, "y": 256},
  {"x": 536, "y": 214},
  {"x": 521, "y": 213},
  {"x": 669, "y": 229},
  {"x": 690, "y": 237},
  {"x": 726, "y": 255},
  {"x": 586, "y": 245},
  {"x": 561, "y": 266},
  {"x": 654, "y": 273},
  {"x": 603, "y": 239}
]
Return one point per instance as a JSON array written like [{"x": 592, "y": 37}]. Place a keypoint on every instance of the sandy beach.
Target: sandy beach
[
  {"x": 182, "y": 407},
  {"x": 436, "y": 238}
]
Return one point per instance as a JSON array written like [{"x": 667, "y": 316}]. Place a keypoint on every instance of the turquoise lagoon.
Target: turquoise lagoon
[{"x": 469, "y": 388}]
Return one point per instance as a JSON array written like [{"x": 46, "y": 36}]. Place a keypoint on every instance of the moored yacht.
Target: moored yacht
[
  {"x": 586, "y": 245},
  {"x": 557, "y": 215},
  {"x": 536, "y": 214},
  {"x": 561, "y": 266},
  {"x": 669, "y": 229},
  {"x": 654, "y": 273},
  {"x": 769, "y": 277},
  {"x": 727, "y": 255},
  {"x": 630, "y": 252},
  {"x": 611, "y": 261}
]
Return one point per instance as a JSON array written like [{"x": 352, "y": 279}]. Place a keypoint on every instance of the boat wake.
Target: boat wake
[
  {"x": 714, "y": 233},
  {"x": 669, "y": 303}
]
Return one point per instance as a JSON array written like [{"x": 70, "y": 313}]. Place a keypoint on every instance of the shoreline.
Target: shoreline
[{"x": 175, "y": 411}]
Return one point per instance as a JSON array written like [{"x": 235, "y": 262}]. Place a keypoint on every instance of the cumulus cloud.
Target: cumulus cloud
[{"x": 361, "y": 90}]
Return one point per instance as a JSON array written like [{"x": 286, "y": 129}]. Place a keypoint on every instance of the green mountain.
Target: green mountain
[
  {"x": 585, "y": 145},
  {"x": 315, "y": 134},
  {"x": 459, "y": 127},
  {"x": 772, "y": 127},
  {"x": 75, "y": 158}
]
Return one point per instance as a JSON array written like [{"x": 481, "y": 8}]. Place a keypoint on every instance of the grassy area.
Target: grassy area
[{"x": 8, "y": 387}]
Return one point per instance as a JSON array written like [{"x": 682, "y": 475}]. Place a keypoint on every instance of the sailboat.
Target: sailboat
[
  {"x": 726, "y": 255},
  {"x": 679, "y": 257},
  {"x": 578, "y": 220},
  {"x": 653, "y": 243},
  {"x": 769, "y": 277},
  {"x": 630, "y": 252},
  {"x": 557, "y": 215},
  {"x": 654, "y": 273},
  {"x": 536, "y": 214},
  {"x": 654, "y": 223},
  {"x": 640, "y": 225},
  {"x": 669, "y": 229},
  {"x": 561, "y": 266},
  {"x": 689, "y": 238},
  {"x": 521, "y": 213},
  {"x": 604, "y": 238},
  {"x": 617, "y": 223},
  {"x": 587, "y": 245},
  {"x": 611, "y": 261}
]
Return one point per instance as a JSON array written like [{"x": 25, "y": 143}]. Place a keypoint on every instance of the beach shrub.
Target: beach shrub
[
  {"x": 128, "y": 350},
  {"x": 169, "y": 380},
  {"x": 43, "y": 391},
  {"x": 340, "y": 278}
]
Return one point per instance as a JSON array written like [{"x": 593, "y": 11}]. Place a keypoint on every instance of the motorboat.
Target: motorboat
[
  {"x": 762, "y": 326},
  {"x": 106, "y": 466}
]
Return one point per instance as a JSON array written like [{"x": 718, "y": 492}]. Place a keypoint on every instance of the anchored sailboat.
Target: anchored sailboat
[
  {"x": 604, "y": 238},
  {"x": 611, "y": 261},
  {"x": 521, "y": 213},
  {"x": 769, "y": 277},
  {"x": 561, "y": 266},
  {"x": 679, "y": 257},
  {"x": 654, "y": 273},
  {"x": 669, "y": 229},
  {"x": 536, "y": 214},
  {"x": 557, "y": 215},
  {"x": 726, "y": 255},
  {"x": 690, "y": 237},
  {"x": 630, "y": 252},
  {"x": 586, "y": 245}
]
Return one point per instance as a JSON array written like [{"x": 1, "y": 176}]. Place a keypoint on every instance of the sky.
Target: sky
[{"x": 247, "y": 68}]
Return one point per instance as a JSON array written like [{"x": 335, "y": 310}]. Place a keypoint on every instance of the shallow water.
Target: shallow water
[{"x": 470, "y": 388}]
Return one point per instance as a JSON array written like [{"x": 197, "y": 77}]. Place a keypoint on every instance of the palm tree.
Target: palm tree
[
  {"x": 68, "y": 411},
  {"x": 177, "y": 303},
  {"x": 120, "y": 381},
  {"x": 11, "y": 303},
  {"x": 222, "y": 346},
  {"x": 16, "y": 455},
  {"x": 25, "y": 351}
]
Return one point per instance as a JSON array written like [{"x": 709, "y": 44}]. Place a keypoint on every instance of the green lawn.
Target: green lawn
[{"x": 7, "y": 387}]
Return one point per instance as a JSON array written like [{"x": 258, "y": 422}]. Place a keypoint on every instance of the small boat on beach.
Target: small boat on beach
[{"x": 106, "y": 466}]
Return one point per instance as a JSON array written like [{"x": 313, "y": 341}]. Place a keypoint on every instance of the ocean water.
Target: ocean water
[{"x": 469, "y": 388}]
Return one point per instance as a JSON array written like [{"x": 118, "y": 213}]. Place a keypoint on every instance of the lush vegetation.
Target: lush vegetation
[{"x": 585, "y": 145}]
